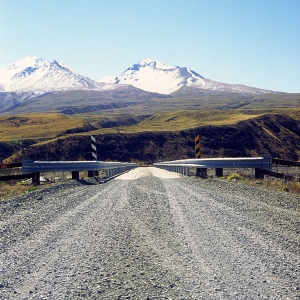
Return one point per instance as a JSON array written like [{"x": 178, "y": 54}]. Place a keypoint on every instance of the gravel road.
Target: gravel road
[{"x": 150, "y": 234}]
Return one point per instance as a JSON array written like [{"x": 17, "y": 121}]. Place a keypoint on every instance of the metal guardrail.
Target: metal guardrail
[
  {"x": 182, "y": 166},
  {"x": 285, "y": 162},
  {"x": 111, "y": 168},
  {"x": 15, "y": 177},
  {"x": 264, "y": 162},
  {"x": 10, "y": 166},
  {"x": 30, "y": 166}
]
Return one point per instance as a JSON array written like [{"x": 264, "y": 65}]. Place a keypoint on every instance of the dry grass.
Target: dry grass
[
  {"x": 235, "y": 176},
  {"x": 45, "y": 128},
  {"x": 13, "y": 188},
  {"x": 283, "y": 185},
  {"x": 35, "y": 126},
  {"x": 291, "y": 186},
  {"x": 164, "y": 121},
  {"x": 176, "y": 120},
  {"x": 181, "y": 120}
]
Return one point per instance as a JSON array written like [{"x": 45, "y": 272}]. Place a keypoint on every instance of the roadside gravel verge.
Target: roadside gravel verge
[{"x": 150, "y": 234}]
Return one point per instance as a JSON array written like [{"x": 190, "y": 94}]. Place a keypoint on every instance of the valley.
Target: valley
[
  {"x": 151, "y": 111},
  {"x": 146, "y": 138}
]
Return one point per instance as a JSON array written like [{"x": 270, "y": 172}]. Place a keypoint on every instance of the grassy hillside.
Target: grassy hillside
[
  {"x": 35, "y": 126},
  {"x": 77, "y": 102},
  {"x": 277, "y": 134},
  {"x": 43, "y": 126},
  {"x": 137, "y": 102}
]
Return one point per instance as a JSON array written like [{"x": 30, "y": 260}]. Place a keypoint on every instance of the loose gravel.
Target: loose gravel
[{"x": 150, "y": 234}]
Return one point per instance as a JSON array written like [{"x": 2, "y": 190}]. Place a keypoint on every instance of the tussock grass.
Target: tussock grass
[
  {"x": 176, "y": 120},
  {"x": 35, "y": 126},
  {"x": 12, "y": 188},
  {"x": 290, "y": 186},
  {"x": 47, "y": 128},
  {"x": 283, "y": 185},
  {"x": 235, "y": 176},
  {"x": 180, "y": 120}
]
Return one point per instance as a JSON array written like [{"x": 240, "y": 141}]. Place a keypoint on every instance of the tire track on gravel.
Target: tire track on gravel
[
  {"x": 243, "y": 261},
  {"x": 147, "y": 234}
]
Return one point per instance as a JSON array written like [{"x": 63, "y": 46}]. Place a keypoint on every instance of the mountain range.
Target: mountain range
[
  {"x": 32, "y": 76},
  {"x": 154, "y": 76}
]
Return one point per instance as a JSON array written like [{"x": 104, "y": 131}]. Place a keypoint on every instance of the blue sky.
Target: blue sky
[{"x": 255, "y": 42}]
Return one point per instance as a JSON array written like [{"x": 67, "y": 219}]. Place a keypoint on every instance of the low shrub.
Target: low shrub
[{"x": 235, "y": 176}]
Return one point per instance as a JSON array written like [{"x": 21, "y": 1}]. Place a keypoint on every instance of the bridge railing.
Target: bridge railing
[
  {"x": 202, "y": 164},
  {"x": 111, "y": 168}
]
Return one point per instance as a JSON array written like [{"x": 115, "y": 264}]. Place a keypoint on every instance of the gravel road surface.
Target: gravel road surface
[{"x": 150, "y": 234}]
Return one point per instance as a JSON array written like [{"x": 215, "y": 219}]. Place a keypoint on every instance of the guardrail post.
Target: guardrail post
[
  {"x": 75, "y": 175},
  {"x": 36, "y": 179},
  {"x": 219, "y": 172},
  {"x": 259, "y": 173},
  {"x": 93, "y": 173},
  {"x": 201, "y": 172}
]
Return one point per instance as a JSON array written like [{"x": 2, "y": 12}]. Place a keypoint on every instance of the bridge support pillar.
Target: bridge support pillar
[
  {"x": 75, "y": 175},
  {"x": 36, "y": 179},
  {"x": 201, "y": 172},
  {"x": 259, "y": 173},
  {"x": 219, "y": 172}
]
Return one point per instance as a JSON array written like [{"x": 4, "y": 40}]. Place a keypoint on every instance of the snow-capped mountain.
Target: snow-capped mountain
[
  {"x": 33, "y": 74},
  {"x": 154, "y": 76}
]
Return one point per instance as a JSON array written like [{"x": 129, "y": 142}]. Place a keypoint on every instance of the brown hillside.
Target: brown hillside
[{"x": 278, "y": 135}]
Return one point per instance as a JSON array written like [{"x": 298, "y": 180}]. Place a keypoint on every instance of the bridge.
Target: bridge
[
  {"x": 114, "y": 168},
  {"x": 150, "y": 233}
]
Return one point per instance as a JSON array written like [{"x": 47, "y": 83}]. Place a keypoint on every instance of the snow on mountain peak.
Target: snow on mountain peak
[
  {"x": 155, "y": 76},
  {"x": 155, "y": 64},
  {"x": 29, "y": 61},
  {"x": 32, "y": 73}
]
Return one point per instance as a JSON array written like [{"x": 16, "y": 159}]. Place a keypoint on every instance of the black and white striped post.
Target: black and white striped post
[
  {"x": 95, "y": 156},
  {"x": 94, "y": 148}
]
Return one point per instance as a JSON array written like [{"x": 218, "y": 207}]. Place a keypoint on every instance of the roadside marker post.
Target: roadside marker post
[
  {"x": 197, "y": 146},
  {"x": 200, "y": 172},
  {"x": 94, "y": 148},
  {"x": 95, "y": 156}
]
